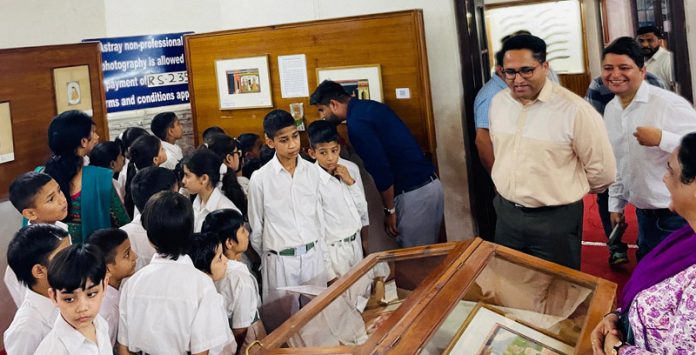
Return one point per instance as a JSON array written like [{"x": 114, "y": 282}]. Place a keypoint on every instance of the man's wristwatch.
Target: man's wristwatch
[
  {"x": 616, "y": 347},
  {"x": 389, "y": 211}
]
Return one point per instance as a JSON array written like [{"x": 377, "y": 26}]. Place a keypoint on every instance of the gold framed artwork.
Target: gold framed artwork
[
  {"x": 360, "y": 81},
  {"x": 487, "y": 331},
  {"x": 243, "y": 83},
  {"x": 6, "y": 138},
  {"x": 72, "y": 88}
]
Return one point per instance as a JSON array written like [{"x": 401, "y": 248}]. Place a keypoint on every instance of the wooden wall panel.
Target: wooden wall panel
[
  {"x": 577, "y": 83},
  {"x": 395, "y": 40},
  {"x": 27, "y": 83}
]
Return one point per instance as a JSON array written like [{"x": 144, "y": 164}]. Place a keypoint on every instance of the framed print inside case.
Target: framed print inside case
[
  {"x": 488, "y": 331},
  {"x": 72, "y": 88},
  {"x": 243, "y": 83},
  {"x": 361, "y": 81},
  {"x": 6, "y": 140}
]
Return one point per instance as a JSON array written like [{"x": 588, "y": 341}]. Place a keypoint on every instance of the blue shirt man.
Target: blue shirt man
[
  {"x": 482, "y": 104},
  {"x": 411, "y": 192}
]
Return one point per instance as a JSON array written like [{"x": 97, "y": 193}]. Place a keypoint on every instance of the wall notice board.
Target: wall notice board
[
  {"x": 395, "y": 41},
  {"x": 28, "y": 85}
]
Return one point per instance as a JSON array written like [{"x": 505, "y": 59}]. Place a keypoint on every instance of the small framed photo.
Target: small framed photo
[
  {"x": 72, "y": 88},
  {"x": 488, "y": 331},
  {"x": 360, "y": 81},
  {"x": 6, "y": 139},
  {"x": 244, "y": 83}
]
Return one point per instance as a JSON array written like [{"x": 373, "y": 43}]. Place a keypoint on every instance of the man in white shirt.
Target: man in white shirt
[
  {"x": 167, "y": 127},
  {"x": 658, "y": 60},
  {"x": 645, "y": 124},
  {"x": 285, "y": 222}
]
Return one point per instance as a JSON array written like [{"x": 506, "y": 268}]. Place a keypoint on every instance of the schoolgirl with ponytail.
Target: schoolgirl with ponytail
[
  {"x": 144, "y": 152},
  {"x": 234, "y": 186}
]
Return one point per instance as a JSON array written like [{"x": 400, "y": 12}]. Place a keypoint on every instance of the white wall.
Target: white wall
[
  {"x": 619, "y": 19},
  {"x": 690, "y": 15}
]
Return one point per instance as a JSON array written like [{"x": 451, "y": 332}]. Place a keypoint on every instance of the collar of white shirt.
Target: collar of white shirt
[
  {"x": 182, "y": 259},
  {"x": 42, "y": 305},
  {"x": 545, "y": 94},
  {"x": 278, "y": 167},
  {"x": 73, "y": 339},
  {"x": 324, "y": 175},
  {"x": 658, "y": 55},
  {"x": 170, "y": 147},
  {"x": 212, "y": 203}
]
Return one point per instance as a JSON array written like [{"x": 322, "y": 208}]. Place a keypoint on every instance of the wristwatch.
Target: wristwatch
[
  {"x": 389, "y": 211},
  {"x": 616, "y": 347}
]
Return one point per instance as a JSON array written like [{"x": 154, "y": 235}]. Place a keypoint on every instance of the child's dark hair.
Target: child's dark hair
[
  {"x": 107, "y": 240},
  {"x": 203, "y": 248},
  {"x": 247, "y": 141},
  {"x": 141, "y": 155},
  {"x": 266, "y": 155},
  {"x": 250, "y": 166},
  {"x": 65, "y": 134},
  {"x": 162, "y": 122},
  {"x": 687, "y": 158},
  {"x": 32, "y": 245},
  {"x": 24, "y": 188},
  {"x": 224, "y": 224},
  {"x": 204, "y": 162},
  {"x": 326, "y": 91},
  {"x": 209, "y": 132},
  {"x": 625, "y": 46},
  {"x": 104, "y": 153},
  {"x": 73, "y": 267},
  {"x": 275, "y": 121},
  {"x": 321, "y": 131},
  {"x": 127, "y": 137},
  {"x": 223, "y": 145},
  {"x": 168, "y": 220},
  {"x": 150, "y": 181}
]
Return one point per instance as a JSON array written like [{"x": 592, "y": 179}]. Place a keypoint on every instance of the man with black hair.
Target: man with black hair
[
  {"x": 658, "y": 60},
  {"x": 410, "y": 189},
  {"x": 645, "y": 124},
  {"x": 550, "y": 148},
  {"x": 167, "y": 127}
]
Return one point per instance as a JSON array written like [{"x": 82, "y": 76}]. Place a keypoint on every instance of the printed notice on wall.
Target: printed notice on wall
[
  {"x": 144, "y": 71},
  {"x": 293, "y": 76}
]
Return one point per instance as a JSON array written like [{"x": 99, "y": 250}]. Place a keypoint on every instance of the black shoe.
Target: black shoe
[{"x": 618, "y": 258}]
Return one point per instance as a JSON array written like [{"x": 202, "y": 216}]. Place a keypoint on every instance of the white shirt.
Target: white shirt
[
  {"x": 241, "y": 293},
  {"x": 32, "y": 322},
  {"x": 216, "y": 201},
  {"x": 660, "y": 64},
  {"x": 174, "y": 155},
  {"x": 170, "y": 307},
  {"x": 109, "y": 311},
  {"x": 17, "y": 289},
  {"x": 283, "y": 209},
  {"x": 137, "y": 235},
  {"x": 123, "y": 177},
  {"x": 342, "y": 206},
  {"x": 64, "y": 339},
  {"x": 640, "y": 169}
]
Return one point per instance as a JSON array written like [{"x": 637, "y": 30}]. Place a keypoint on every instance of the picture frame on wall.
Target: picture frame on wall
[
  {"x": 243, "y": 83},
  {"x": 487, "y": 331},
  {"x": 72, "y": 89},
  {"x": 360, "y": 81},
  {"x": 6, "y": 135}
]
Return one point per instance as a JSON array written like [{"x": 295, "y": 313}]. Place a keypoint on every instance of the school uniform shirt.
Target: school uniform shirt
[
  {"x": 174, "y": 155},
  {"x": 137, "y": 235},
  {"x": 216, "y": 201},
  {"x": 123, "y": 177},
  {"x": 241, "y": 294},
  {"x": 32, "y": 322},
  {"x": 109, "y": 311},
  {"x": 66, "y": 340},
  {"x": 17, "y": 289},
  {"x": 170, "y": 307}
]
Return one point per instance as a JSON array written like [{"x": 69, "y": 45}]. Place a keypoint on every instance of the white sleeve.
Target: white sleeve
[
  {"x": 357, "y": 191},
  {"x": 679, "y": 119},
  {"x": 255, "y": 212},
  {"x": 210, "y": 328},
  {"x": 22, "y": 340},
  {"x": 244, "y": 307},
  {"x": 122, "y": 335}
]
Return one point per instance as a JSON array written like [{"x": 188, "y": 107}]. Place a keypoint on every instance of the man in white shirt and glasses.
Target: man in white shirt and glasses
[
  {"x": 550, "y": 148},
  {"x": 645, "y": 124}
]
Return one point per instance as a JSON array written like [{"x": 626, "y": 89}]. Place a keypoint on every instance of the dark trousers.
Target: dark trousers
[
  {"x": 617, "y": 246},
  {"x": 551, "y": 233},
  {"x": 654, "y": 226}
]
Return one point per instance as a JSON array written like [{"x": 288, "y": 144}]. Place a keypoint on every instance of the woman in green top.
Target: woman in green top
[{"x": 93, "y": 202}]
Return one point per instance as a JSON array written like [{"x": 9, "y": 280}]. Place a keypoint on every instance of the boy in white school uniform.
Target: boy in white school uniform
[
  {"x": 77, "y": 276},
  {"x": 167, "y": 127},
  {"x": 342, "y": 199},
  {"x": 39, "y": 199},
  {"x": 28, "y": 255},
  {"x": 285, "y": 221},
  {"x": 170, "y": 307}
]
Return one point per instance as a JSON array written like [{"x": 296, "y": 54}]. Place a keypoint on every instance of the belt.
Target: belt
[
  {"x": 345, "y": 240},
  {"x": 532, "y": 209},
  {"x": 659, "y": 212},
  {"x": 302, "y": 249},
  {"x": 430, "y": 179}
]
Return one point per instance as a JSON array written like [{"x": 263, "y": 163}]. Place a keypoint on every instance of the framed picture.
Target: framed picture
[
  {"x": 243, "y": 83},
  {"x": 488, "y": 331},
  {"x": 6, "y": 139},
  {"x": 72, "y": 88},
  {"x": 361, "y": 81}
]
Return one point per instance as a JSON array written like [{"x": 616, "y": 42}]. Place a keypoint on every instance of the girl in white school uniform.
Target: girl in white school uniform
[
  {"x": 201, "y": 174},
  {"x": 231, "y": 183},
  {"x": 238, "y": 287}
]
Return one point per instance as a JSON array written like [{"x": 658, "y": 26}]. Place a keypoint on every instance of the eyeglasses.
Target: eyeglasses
[{"x": 525, "y": 72}]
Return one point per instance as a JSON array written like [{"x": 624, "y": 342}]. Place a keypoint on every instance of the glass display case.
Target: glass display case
[{"x": 471, "y": 297}]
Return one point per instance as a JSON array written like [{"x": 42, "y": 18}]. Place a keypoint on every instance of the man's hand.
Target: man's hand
[
  {"x": 648, "y": 136},
  {"x": 615, "y": 218},
  {"x": 390, "y": 225},
  {"x": 605, "y": 332},
  {"x": 343, "y": 174}
]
